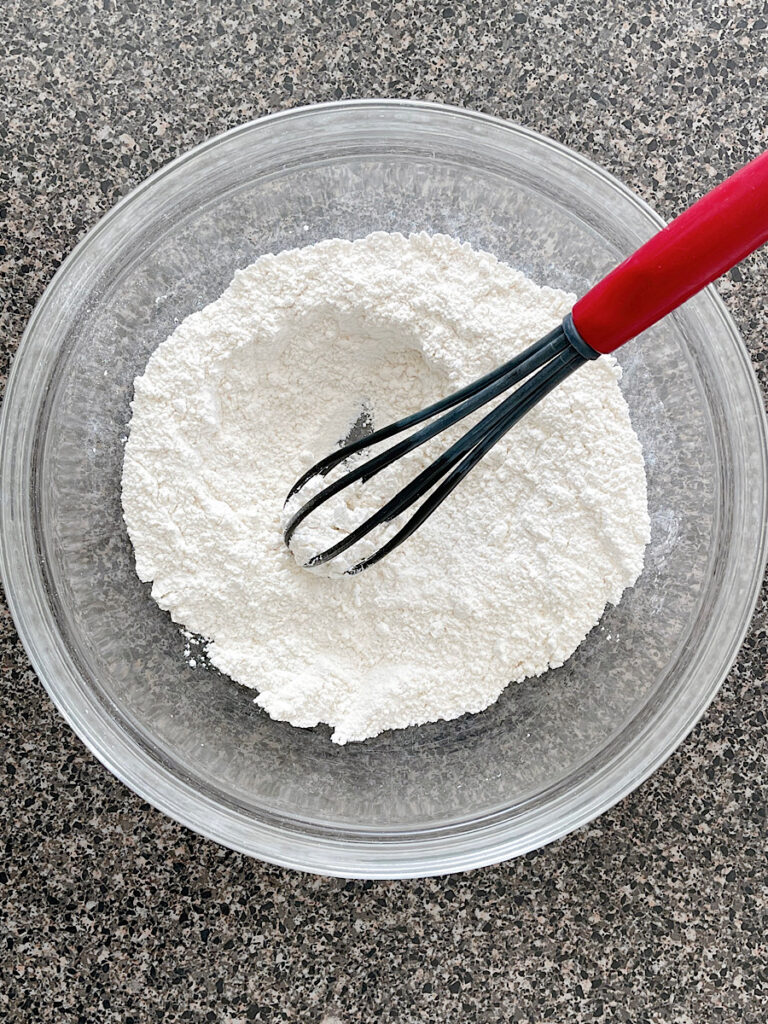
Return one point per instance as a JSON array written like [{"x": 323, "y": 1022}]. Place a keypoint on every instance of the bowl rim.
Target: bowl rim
[{"x": 357, "y": 852}]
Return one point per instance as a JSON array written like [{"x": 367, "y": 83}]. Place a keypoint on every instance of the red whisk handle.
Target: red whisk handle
[{"x": 702, "y": 243}]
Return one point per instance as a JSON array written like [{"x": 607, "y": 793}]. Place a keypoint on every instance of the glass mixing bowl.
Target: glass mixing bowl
[{"x": 554, "y": 751}]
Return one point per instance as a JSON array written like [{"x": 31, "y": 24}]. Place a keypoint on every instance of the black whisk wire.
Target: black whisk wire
[{"x": 549, "y": 361}]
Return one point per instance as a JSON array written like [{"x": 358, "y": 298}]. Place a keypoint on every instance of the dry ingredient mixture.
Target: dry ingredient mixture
[{"x": 504, "y": 581}]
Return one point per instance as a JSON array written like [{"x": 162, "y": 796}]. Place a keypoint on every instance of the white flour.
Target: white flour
[{"x": 503, "y": 582}]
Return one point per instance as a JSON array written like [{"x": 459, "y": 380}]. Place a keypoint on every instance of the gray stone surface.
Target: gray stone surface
[{"x": 112, "y": 913}]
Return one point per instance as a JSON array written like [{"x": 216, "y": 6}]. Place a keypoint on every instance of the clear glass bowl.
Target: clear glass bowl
[{"x": 553, "y": 752}]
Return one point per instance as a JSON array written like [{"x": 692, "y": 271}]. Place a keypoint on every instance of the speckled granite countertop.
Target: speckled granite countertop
[{"x": 112, "y": 913}]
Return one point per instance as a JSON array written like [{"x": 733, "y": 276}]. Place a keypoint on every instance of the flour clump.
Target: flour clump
[{"x": 503, "y": 582}]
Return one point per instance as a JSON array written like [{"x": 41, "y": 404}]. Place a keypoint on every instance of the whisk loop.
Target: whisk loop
[{"x": 537, "y": 370}]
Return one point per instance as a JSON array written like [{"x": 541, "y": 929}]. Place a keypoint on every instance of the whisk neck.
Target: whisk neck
[{"x": 576, "y": 341}]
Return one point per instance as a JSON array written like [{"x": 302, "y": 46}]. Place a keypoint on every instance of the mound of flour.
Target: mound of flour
[{"x": 504, "y": 581}]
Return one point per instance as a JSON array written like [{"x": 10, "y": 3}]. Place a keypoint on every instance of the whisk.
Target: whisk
[{"x": 704, "y": 241}]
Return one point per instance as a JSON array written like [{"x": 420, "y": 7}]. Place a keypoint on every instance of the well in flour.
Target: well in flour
[{"x": 502, "y": 582}]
